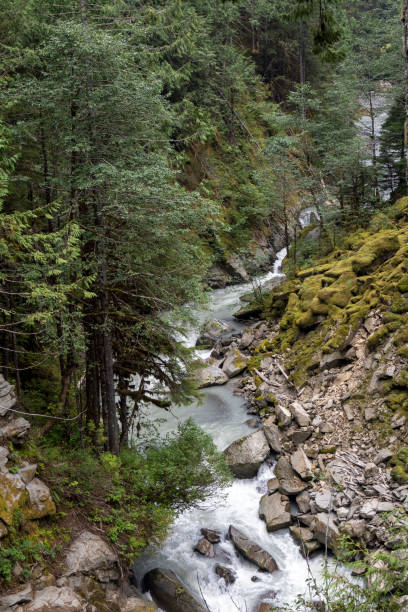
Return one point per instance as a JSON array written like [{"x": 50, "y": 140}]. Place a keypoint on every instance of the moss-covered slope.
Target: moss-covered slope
[{"x": 320, "y": 309}]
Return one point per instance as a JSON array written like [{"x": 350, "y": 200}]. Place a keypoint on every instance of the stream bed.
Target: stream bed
[{"x": 223, "y": 414}]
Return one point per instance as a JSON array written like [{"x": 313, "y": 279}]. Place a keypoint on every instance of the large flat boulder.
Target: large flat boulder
[
  {"x": 275, "y": 511},
  {"x": 210, "y": 376},
  {"x": 235, "y": 362},
  {"x": 169, "y": 592},
  {"x": 289, "y": 482},
  {"x": 90, "y": 555},
  {"x": 246, "y": 455},
  {"x": 299, "y": 413},
  {"x": 54, "y": 599},
  {"x": 252, "y": 551},
  {"x": 211, "y": 332}
]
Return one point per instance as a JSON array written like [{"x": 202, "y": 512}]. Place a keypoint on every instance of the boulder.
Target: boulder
[
  {"x": 370, "y": 413},
  {"x": 40, "y": 501},
  {"x": 324, "y": 500},
  {"x": 211, "y": 375},
  {"x": 245, "y": 456},
  {"x": 247, "y": 338},
  {"x": 334, "y": 360},
  {"x": 303, "y": 501},
  {"x": 272, "y": 434},
  {"x": 284, "y": 416},
  {"x": 304, "y": 537},
  {"x": 325, "y": 529},
  {"x": 301, "y": 464},
  {"x": 369, "y": 508},
  {"x": 53, "y": 599},
  {"x": 298, "y": 436},
  {"x": 273, "y": 485},
  {"x": 383, "y": 455},
  {"x": 205, "y": 548},
  {"x": 89, "y": 554},
  {"x": 211, "y": 535},
  {"x": 355, "y": 528},
  {"x": 7, "y": 396},
  {"x": 4, "y": 453},
  {"x": 226, "y": 573},
  {"x": 23, "y": 596},
  {"x": 169, "y": 592},
  {"x": 27, "y": 472},
  {"x": 16, "y": 431},
  {"x": 275, "y": 511},
  {"x": 289, "y": 482},
  {"x": 211, "y": 332},
  {"x": 235, "y": 362},
  {"x": 299, "y": 413},
  {"x": 13, "y": 495},
  {"x": 251, "y": 551}
]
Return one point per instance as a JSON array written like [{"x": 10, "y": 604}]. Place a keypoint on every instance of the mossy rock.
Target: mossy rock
[
  {"x": 378, "y": 248},
  {"x": 403, "y": 284},
  {"x": 397, "y": 398},
  {"x": 400, "y": 208},
  {"x": 400, "y": 463},
  {"x": 401, "y": 380}
]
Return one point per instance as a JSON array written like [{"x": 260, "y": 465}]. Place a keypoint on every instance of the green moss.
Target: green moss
[
  {"x": 400, "y": 463},
  {"x": 377, "y": 337},
  {"x": 401, "y": 380},
  {"x": 397, "y": 399},
  {"x": 403, "y": 284}
]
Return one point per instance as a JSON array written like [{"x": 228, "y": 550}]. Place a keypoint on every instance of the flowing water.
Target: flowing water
[{"x": 223, "y": 414}]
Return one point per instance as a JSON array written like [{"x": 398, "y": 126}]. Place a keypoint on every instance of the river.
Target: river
[{"x": 223, "y": 414}]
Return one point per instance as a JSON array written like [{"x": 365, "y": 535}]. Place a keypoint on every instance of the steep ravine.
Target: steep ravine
[{"x": 223, "y": 414}]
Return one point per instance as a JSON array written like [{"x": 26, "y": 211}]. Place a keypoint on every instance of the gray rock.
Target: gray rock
[
  {"x": 283, "y": 415},
  {"x": 16, "y": 431},
  {"x": 398, "y": 420},
  {"x": 235, "y": 362},
  {"x": 205, "y": 548},
  {"x": 299, "y": 414},
  {"x": 275, "y": 511},
  {"x": 327, "y": 428},
  {"x": 41, "y": 503},
  {"x": 272, "y": 434},
  {"x": 371, "y": 470},
  {"x": 383, "y": 455},
  {"x": 226, "y": 573},
  {"x": 27, "y": 472},
  {"x": 4, "y": 453},
  {"x": 7, "y": 396},
  {"x": 23, "y": 596},
  {"x": 385, "y": 506},
  {"x": 298, "y": 436},
  {"x": 211, "y": 332},
  {"x": 273, "y": 485},
  {"x": 289, "y": 482},
  {"x": 54, "y": 599},
  {"x": 89, "y": 554},
  {"x": 324, "y": 500},
  {"x": 369, "y": 509},
  {"x": 324, "y": 529},
  {"x": 245, "y": 456},
  {"x": 334, "y": 360},
  {"x": 247, "y": 338},
  {"x": 370, "y": 413},
  {"x": 211, "y": 375},
  {"x": 169, "y": 592},
  {"x": 355, "y": 528},
  {"x": 251, "y": 551},
  {"x": 303, "y": 501},
  {"x": 301, "y": 464},
  {"x": 211, "y": 535}
]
